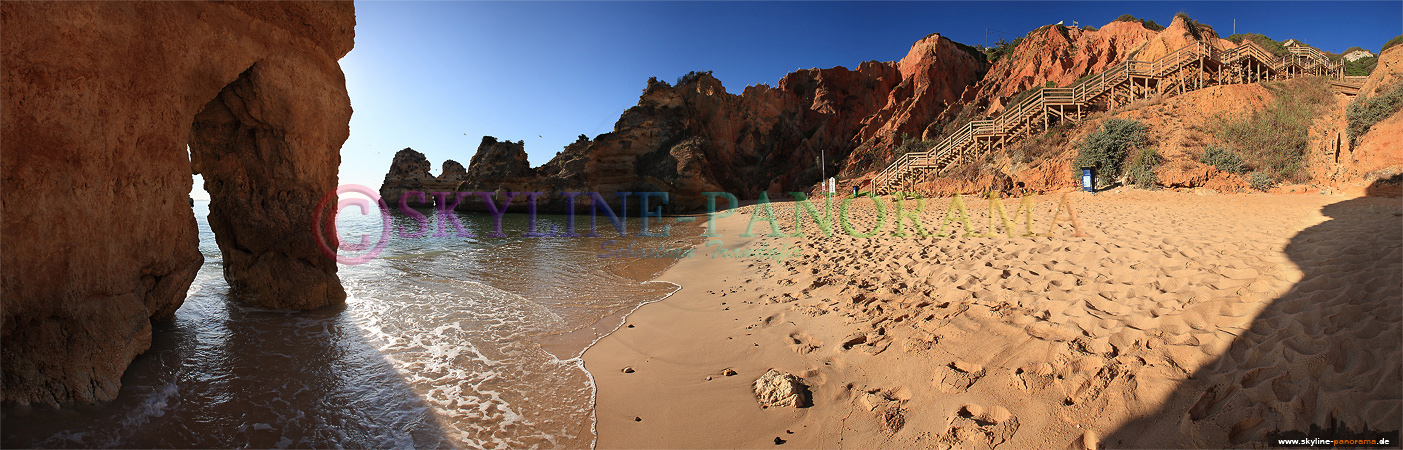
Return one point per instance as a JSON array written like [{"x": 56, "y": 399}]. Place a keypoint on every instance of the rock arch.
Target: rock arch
[{"x": 99, "y": 102}]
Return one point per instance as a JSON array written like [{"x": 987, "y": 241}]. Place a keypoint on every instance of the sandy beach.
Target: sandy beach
[{"x": 1179, "y": 320}]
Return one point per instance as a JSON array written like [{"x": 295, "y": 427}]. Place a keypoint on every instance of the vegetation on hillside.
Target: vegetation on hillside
[
  {"x": 1361, "y": 66},
  {"x": 1196, "y": 29},
  {"x": 1141, "y": 171},
  {"x": 1338, "y": 56},
  {"x": 1148, "y": 24},
  {"x": 1364, "y": 112},
  {"x": 691, "y": 76},
  {"x": 1274, "y": 141},
  {"x": 1391, "y": 42},
  {"x": 1105, "y": 149},
  {"x": 910, "y": 144},
  {"x": 1222, "y": 158},
  {"x": 1002, "y": 48},
  {"x": 1271, "y": 45}
]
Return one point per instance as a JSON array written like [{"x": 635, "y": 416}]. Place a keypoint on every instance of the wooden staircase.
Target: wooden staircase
[{"x": 1194, "y": 66}]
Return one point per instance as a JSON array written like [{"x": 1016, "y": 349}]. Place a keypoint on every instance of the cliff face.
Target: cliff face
[
  {"x": 99, "y": 103},
  {"x": 696, "y": 137},
  {"x": 1059, "y": 55},
  {"x": 935, "y": 74}
]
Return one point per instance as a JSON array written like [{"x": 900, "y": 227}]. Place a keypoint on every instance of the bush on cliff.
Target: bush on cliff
[
  {"x": 1364, "y": 111},
  {"x": 1002, "y": 48},
  {"x": 1148, "y": 24},
  {"x": 1274, "y": 140},
  {"x": 1105, "y": 148},
  {"x": 1391, "y": 42},
  {"x": 1260, "y": 181},
  {"x": 691, "y": 76},
  {"x": 1222, "y": 158},
  {"x": 910, "y": 144},
  {"x": 1142, "y": 169}
]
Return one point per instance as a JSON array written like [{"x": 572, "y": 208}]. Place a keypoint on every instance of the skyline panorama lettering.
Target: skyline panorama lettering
[{"x": 904, "y": 214}]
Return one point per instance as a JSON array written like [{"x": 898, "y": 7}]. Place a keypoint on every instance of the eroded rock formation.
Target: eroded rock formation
[
  {"x": 498, "y": 163},
  {"x": 696, "y": 137},
  {"x": 100, "y": 101}
]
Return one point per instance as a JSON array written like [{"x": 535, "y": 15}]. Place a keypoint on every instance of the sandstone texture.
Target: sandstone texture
[
  {"x": 1059, "y": 55},
  {"x": 100, "y": 101},
  {"x": 780, "y": 389}
]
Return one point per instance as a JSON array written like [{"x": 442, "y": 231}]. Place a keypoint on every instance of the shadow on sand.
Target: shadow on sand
[{"x": 1322, "y": 361}]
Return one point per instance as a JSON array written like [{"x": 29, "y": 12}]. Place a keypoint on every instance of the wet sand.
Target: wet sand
[{"x": 1181, "y": 320}]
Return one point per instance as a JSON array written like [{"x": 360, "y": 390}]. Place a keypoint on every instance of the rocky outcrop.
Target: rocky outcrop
[
  {"x": 1182, "y": 31},
  {"x": 498, "y": 163},
  {"x": 409, "y": 171},
  {"x": 696, "y": 137},
  {"x": 99, "y": 103},
  {"x": 935, "y": 73}
]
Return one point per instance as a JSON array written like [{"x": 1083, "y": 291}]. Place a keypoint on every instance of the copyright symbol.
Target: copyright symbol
[{"x": 325, "y": 223}]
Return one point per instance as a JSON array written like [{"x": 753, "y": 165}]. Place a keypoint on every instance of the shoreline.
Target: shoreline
[{"x": 1028, "y": 342}]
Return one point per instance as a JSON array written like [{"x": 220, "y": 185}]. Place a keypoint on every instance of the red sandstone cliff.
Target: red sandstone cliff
[
  {"x": 99, "y": 103},
  {"x": 1059, "y": 55},
  {"x": 697, "y": 137}
]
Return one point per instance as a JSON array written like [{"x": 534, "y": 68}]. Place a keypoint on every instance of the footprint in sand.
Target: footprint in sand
[
  {"x": 887, "y": 405},
  {"x": 802, "y": 342},
  {"x": 974, "y": 426},
  {"x": 957, "y": 376},
  {"x": 870, "y": 343},
  {"x": 1035, "y": 377}
]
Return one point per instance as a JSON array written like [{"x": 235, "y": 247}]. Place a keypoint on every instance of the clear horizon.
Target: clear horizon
[{"x": 438, "y": 76}]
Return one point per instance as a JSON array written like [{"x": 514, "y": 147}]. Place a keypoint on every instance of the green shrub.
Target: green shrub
[
  {"x": 1275, "y": 139},
  {"x": 1142, "y": 170},
  {"x": 1391, "y": 42},
  {"x": 1105, "y": 148},
  {"x": 692, "y": 76},
  {"x": 1364, "y": 111},
  {"x": 910, "y": 144},
  {"x": 1260, "y": 181},
  {"x": 1002, "y": 48},
  {"x": 1222, "y": 158},
  {"x": 1148, "y": 24}
]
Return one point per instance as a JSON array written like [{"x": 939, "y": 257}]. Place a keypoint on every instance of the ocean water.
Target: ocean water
[{"x": 443, "y": 342}]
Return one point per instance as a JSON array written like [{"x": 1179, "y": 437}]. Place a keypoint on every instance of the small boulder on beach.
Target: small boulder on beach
[{"x": 776, "y": 388}]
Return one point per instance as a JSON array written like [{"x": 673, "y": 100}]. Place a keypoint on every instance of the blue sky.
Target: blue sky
[{"x": 437, "y": 76}]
